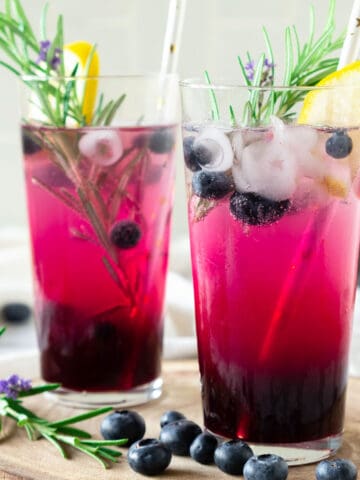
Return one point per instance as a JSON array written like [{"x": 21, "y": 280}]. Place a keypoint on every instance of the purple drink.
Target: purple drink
[{"x": 99, "y": 202}]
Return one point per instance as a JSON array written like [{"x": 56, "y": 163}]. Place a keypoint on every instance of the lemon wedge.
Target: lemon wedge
[
  {"x": 336, "y": 107},
  {"x": 78, "y": 53}
]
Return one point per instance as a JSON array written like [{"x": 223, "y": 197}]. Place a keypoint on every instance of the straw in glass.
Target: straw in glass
[
  {"x": 172, "y": 39},
  {"x": 351, "y": 47},
  {"x": 349, "y": 53}
]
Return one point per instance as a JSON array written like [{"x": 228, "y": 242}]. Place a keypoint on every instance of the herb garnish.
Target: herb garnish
[
  {"x": 60, "y": 433},
  {"x": 305, "y": 66},
  {"x": 26, "y": 56}
]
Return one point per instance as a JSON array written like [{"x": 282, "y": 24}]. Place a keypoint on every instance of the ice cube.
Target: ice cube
[
  {"x": 270, "y": 169},
  {"x": 217, "y": 143},
  {"x": 237, "y": 143}
]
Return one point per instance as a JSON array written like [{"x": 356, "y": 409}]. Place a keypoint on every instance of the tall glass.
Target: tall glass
[
  {"x": 99, "y": 205},
  {"x": 273, "y": 214}
]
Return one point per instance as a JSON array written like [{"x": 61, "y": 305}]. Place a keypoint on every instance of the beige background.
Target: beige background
[{"x": 129, "y": 35}]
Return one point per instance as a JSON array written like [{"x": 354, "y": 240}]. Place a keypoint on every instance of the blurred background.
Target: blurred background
[{"x": 129, "y": 35}]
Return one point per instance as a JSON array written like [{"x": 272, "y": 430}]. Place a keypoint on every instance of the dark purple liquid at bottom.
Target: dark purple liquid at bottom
[
  {"x": 105, "y": 352},
  {"x": 268, "y": 409}
]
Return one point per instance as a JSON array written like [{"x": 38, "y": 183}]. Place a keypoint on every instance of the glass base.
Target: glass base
[
  {"x": 300, "y": 453},
  {"x": 83, "y": 399}
]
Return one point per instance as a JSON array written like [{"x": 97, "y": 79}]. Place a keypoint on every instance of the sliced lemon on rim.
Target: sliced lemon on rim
[
  {"x": 336, "y": 107},
  {"x": 78, "y": 53}
]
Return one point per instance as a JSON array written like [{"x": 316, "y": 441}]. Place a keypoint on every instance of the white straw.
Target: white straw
[
  {"x": 174, "y": 26},
  {"x": 351, "y": 48}
]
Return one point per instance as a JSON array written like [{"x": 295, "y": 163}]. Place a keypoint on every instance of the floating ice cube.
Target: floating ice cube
[
  {"x": 270, "y": 169},
  {"x": 303, "y": 141},
  {"x": 217, "y": 143},
  {"x": 103, "y": 147},
  {"x": 237, "y": 143}
]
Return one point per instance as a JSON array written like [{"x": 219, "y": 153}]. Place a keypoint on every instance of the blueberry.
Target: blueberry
[
  {"x": 231, "y": 456},
  {"x": 211, "y": 184},
  {"x": 29, "y": 145},
  {"x": 337, "y": 469},
  {"x": 179, "y": 435},
  {"x": 254, "y": 209},
  {"x": 203, "y": 447},
  {"x": 149, "y": 457},
  {"x": 125, "y": 234},
  {"x": 266, "y": 467},
  {"x": 196, "y": 157},
  {"x": 123, "y": 424},
  {"x": 16, "y": 312},
  {"x": 170, "y": 416},
  {"x": 162, "y": 141},
  {"x": 339, "y": 145}
]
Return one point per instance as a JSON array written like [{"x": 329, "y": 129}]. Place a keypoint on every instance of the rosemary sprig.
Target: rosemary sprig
[
  {"x": 24, "y": 55},
  {"x": 61, "y": 434},
  {"x": 304, "y": 66}
]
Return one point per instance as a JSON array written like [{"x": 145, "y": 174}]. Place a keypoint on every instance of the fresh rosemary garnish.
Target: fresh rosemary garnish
[
  {"x": 34, "y": 60},
  {"x": 305, "y": 66},
  {"x": 61, "y": 434}
]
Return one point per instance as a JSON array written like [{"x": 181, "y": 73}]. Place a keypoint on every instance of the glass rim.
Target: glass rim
[
  {"x": 67, "y": 78},
  {"x": 200, "y": 84}
]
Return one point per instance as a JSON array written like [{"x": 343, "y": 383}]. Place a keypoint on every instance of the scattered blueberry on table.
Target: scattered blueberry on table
[
  {"x": 170, "y": 416},
  {"x": 15, "y": 312},
  {"x": 123, "y": 424},
  {"x": 337, "y": 469},
  {"x": 203, "y": 447},
  {"x": 232, "y": 455},
  {"x": 266, "y": 467},
  {"x": 183, "y": 437},
  {"x": 149, "y": 456},
  {"x": 179, "y": 435}
]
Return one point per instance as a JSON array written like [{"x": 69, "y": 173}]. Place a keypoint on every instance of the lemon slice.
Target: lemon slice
[
  {"x": 336, "y": 107},
  {"x": 78, "y": 53}
]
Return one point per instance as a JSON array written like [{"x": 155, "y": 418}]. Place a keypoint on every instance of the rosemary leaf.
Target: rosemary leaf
[
  {"x": 11, "y": 68},
  {"x": 48, "y": 387},
  {"x": 110, "y": 115},
  {"x": 112, "y": 272},
  {"x": 243, "y": 71},
  {"x": 75, "y": 432},
  {"x": 56, "y": 444},
  {"x": 232, "y": 116},
  {"x": 270, "y": 53},
  {"x": 105, "y": 454},
  {"x": 43, "y": 20},
  {"x": 81, "y": 417},
  {"x": 288, "y": 57},
  {"x": 23, "y": 18},
  {"x": 214, "y": 104},
  {"x": 102, "y": 115}
]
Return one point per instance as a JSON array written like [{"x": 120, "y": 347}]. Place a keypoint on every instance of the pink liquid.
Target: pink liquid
[
  {"x": 273, "y": 310},
  {"x": 99, "y": 307}
]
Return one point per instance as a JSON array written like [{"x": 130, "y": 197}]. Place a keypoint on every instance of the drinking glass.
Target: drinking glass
[
  {"x": 273, "y": 213},
  {"x": 99, "y": 197}
]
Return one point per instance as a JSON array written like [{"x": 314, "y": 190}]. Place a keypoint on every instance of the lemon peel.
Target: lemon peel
[
  {"x": 336, "y": 107},
  {"x": 82, "y": 53},
  {"x": 335, "y": 187}
]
